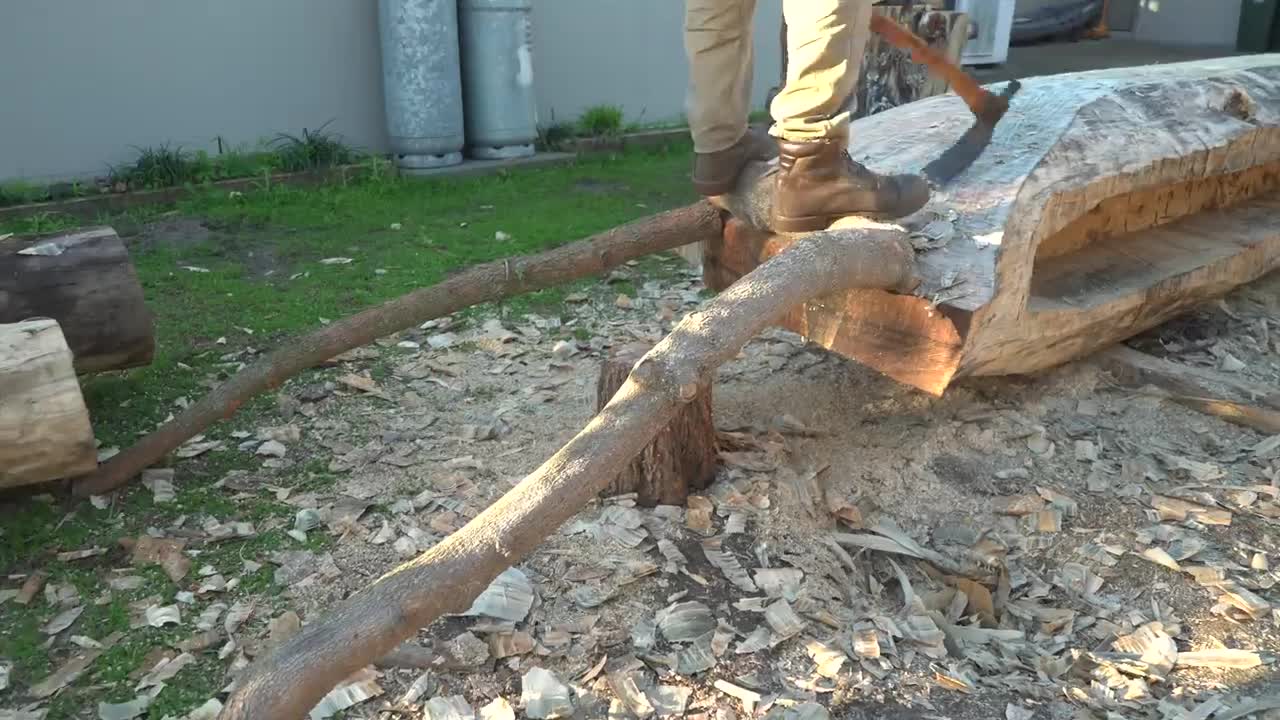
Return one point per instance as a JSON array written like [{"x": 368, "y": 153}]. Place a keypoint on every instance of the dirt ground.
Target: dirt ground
[
  {"x": 1047, "y": 547},
  {"x": 1080, "y": 631}
]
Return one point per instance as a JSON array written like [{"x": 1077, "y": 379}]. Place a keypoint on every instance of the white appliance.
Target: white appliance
[{"x": 994, "y": 20}]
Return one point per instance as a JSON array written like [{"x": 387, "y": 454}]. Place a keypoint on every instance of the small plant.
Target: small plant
[
  {"x": 19, "y": 192},
  {"x": 553, "y": 137},
  {"x": 601, "y": 121},
  {"x": 158, "y": 167},
  {"x": 315, "y": 149},
  {"x": 43, "y": 222}
]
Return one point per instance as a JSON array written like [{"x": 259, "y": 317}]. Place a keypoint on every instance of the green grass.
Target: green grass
[
  {"x": 601, "y": 121},
  {"x": 264, "y": 275}
]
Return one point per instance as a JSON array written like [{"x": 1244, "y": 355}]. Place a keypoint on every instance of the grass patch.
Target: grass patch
[
  {"x": 601, "y": 121},
  {"x": 265, "y": 282}
]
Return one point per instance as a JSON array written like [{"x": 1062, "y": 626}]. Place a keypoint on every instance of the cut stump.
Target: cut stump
[
  {"x": 85, "y": 281},
  {"x": 1107, "y": 203},
  {"x": 682, "y": 457},
  {"x": 44, "y": 425}
]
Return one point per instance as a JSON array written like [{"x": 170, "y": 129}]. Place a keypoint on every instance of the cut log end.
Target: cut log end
[
  {"x": 681, "y": 459},
  {"x": 44, "y": 425}
]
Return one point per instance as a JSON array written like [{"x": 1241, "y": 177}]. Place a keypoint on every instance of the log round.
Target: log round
[
  {"x": 86, "y": 282},
  {"x": 1107, "y": 202},
  {"x": 44, "y": 425},
  {"x": 682, "y": 456}
]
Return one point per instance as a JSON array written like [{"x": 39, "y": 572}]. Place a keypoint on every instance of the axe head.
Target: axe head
[{"x": 957, "y": 158}]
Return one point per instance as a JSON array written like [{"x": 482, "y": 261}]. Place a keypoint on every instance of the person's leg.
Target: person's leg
[
  {"x": 817, "y": 183},
  {"x": 719, "y": 44}
]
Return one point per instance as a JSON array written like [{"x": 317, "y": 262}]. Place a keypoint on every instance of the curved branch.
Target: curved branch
[
  {"x": 447, "y": 578},
  {"x": 481, "y": 283}
]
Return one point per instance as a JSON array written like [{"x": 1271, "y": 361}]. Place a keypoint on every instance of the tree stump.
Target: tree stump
[
  {"x": 84, "y": 280},
  {"x": 682, "y": 457}
]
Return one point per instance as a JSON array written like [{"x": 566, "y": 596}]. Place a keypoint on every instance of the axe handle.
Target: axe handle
[{"x": 984, "y": 104}]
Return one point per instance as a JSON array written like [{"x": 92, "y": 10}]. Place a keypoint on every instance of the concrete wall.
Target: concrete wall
[
  {"x": 1209, "y": 23},
  {"x": 83, "y": 80}
]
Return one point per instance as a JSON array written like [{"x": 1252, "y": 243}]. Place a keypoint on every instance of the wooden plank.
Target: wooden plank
[{"x": 44, "y": 425}]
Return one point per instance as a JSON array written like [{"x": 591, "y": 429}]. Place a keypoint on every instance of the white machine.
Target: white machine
[{"x": 994, "y": 21}]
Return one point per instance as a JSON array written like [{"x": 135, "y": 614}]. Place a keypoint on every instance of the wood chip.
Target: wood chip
[
  {"x": 498, "y": 709},
  {"x": 1175, "y": 509},
  {"x": 1245, "y": 600},
  {"x": 780, "y": 582},
  {"x": 359, "y": 687},
  {"x": 1018, "y": 505},
  {"x": 544, "y": 696},
  {"x": 1160, "y": 557},
  {"x": 1154, "y": 647},
  {"x": 160, "y": 482},
  {"x": 633, "y": 700},
  {"x": 758, "y": 640},
  {"x": 62, "y": 621},
  {"x": 31, "y": 587},
  {"x": 783, "y": 620},
  {"x": 509, "y": 597},
  {"x": 828, "y": 660},
  {"x": 748, "y": 698},
  {"x": 1223, "y": 658},
  {"x": 73, "y": 555},
  {"x": 669, "y": 700},
  {"x": 866, "y": 643},
  {"x": 728, "y": 565},
  {"x": 686, "y": 621},
  {"x": 73, "y": 668}
]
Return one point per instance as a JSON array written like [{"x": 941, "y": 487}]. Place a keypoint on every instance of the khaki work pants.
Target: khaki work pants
[{"x": 825, "y": 42}]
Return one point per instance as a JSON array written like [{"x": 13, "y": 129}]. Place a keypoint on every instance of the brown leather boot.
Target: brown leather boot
[
  {"x": 818, "y": 183},
  {"x": 716, "y": 173}
]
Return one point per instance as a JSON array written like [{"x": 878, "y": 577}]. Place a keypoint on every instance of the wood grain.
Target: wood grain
[{"x": 44, "y": 425}]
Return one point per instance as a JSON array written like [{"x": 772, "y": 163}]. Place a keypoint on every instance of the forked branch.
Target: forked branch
[{"x": 447, "y": 578}]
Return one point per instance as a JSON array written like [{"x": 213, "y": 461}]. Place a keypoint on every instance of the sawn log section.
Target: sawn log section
[{"x": 1107, "y": 202}]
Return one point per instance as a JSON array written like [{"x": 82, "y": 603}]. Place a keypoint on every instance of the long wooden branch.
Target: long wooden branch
[
  {"x": 447, "y": 578},
  {"x": 482, "y": 283}
]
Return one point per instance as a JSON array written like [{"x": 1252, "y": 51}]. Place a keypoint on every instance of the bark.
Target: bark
[
  {"x": 680, "y": 459},
  {"x": 85, "y": 281},
  {"x": 482, "y": 283},
  {"x": 446, "y": 579}
]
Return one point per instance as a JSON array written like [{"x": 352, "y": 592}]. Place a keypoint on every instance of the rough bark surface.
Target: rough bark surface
[
  {"x": 86, "y": 282},
  {"x": 44, "y": 425},
  {"x": 482, "y": 283},
  {"x": 682, "y": 456},
  {"x": 447, "y": 578}
]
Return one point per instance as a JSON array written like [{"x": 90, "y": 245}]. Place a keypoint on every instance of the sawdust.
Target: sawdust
[{"x": 821, "y": 445}]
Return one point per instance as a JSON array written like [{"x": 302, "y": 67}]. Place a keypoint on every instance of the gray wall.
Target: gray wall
[
  {"x": 1209, "y": 23},
  {"x": 83, "y": 80}
]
